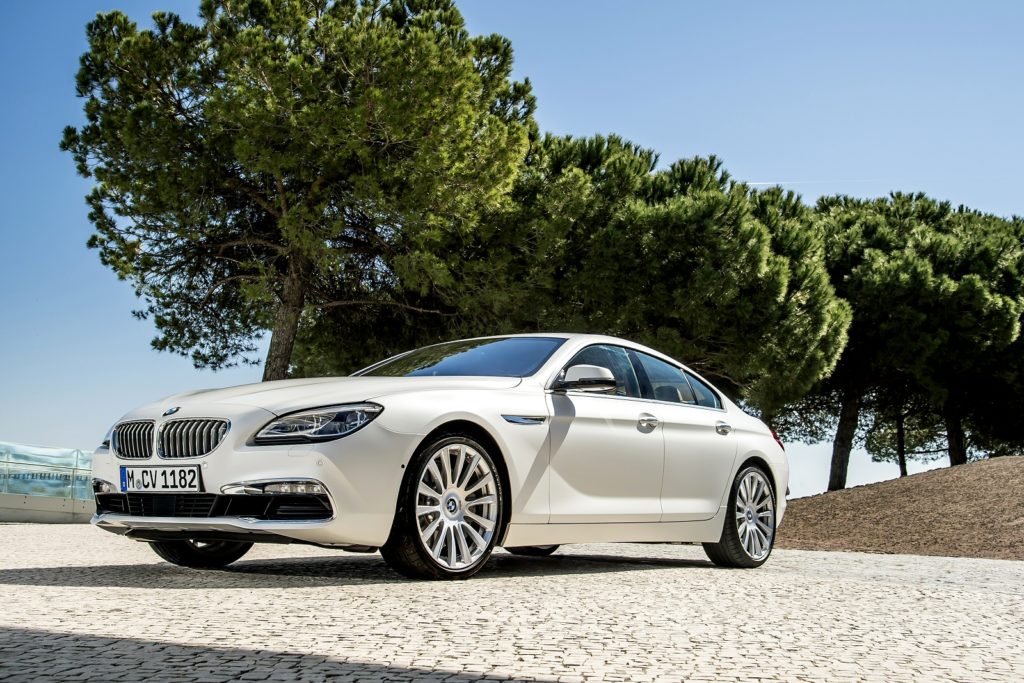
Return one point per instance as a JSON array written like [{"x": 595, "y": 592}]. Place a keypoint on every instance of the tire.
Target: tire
[
  {"x": 200, "y": 555},
  {"x": 533, "y": 550},
  {"x": 448, "y": 517},
  {"x": 743, "y": 545}
]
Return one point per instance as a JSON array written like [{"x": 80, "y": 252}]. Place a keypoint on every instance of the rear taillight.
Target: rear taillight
[{"x": 778, "y": 440}]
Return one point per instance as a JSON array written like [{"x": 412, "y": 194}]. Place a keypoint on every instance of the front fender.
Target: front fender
[{"x": 523, "y": 447}]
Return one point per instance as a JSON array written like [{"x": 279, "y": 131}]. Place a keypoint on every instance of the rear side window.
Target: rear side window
[
  {"x": 706, "y": 396},
  {"x": 665, "y": 382}
]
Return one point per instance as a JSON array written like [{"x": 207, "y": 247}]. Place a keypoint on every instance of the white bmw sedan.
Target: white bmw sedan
[{"x": 438, "y": 455}]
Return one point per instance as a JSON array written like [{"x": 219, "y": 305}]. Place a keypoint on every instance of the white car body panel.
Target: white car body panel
[
  {"x": 569, "y": 480},
  {"x": 699, "y": 462},
  {"x": 603, "y": 469}
]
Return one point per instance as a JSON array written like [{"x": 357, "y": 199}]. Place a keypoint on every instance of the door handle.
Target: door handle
[
  {"x": 723, "y": 428},
  {"x": 647, "y": 421}
]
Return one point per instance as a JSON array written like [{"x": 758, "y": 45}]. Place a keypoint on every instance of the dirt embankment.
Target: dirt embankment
[{"x": 974, "y": 510}]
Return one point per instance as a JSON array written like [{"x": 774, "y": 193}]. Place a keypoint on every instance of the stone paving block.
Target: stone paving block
[{"x": 82, "y": 604}]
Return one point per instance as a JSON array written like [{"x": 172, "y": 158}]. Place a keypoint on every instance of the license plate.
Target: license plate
[{"x": 171, "y": 479}]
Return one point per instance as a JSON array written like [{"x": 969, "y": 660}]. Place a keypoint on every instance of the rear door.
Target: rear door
[{"x": 700, "y": 448}]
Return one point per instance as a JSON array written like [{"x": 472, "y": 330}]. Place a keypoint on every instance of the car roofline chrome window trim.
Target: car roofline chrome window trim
[
  {"x": 595, "y": 394},
  {"x": 549, "y": 384}
]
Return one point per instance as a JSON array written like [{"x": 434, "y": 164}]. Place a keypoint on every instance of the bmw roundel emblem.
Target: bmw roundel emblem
[{"x": 171, "y": 411}]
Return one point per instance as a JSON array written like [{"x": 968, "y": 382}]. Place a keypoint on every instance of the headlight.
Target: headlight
[{"x": 319, "y": 424}]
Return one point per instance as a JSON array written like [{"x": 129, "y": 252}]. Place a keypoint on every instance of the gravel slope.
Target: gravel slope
[{"x": 974, "y": 510}]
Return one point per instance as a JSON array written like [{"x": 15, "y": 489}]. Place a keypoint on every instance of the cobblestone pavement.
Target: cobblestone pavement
[{"x": 78, "y": 603}]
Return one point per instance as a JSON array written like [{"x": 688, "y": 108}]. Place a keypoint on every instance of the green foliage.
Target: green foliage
[
  {"x": 596, "y": 239},
  {"x": 904, "y": 426},
  {"x": 937, "y": 296},
  {"x": 363, "y": 177},
  {"x": 713, "y": 273},
  {"x": 290, "y": 155}
]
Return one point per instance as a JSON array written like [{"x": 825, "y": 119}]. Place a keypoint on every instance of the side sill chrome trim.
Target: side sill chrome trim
[{"x": 526, "y": 419}]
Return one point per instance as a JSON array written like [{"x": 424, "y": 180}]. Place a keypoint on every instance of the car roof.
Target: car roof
[
  {"x": 560, "y": 335},
  {"x": 586, "y": 339}
]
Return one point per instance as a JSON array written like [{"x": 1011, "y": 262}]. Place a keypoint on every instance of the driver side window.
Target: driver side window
[{"x": 615, "y": 359}]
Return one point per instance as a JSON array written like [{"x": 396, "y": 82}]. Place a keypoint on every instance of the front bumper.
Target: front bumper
[{"x": 361, "y": 473}]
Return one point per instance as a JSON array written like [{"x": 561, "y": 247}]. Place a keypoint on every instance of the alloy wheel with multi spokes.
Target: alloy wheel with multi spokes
[
  {"x": 457, "y": 505},
  {"x": 450, "y": 512},
  {"x": 755, "y": 515},
  {"x": 748, "y": 534}
]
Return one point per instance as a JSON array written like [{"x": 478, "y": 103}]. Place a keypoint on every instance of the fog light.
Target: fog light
[
  {"x": 101, "y": 486},
  {"x": 255, "y": 488},
  {"x": 294, "y": 487}
]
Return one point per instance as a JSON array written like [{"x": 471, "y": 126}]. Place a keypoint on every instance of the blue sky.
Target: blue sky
[{"x": 857, "y": 97}]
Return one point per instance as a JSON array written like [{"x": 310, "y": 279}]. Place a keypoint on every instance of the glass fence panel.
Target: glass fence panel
[
  {"x": 83, "y": 485},
  {"x": 38, "y": 471},
  {"x": 28, "y": 480}
]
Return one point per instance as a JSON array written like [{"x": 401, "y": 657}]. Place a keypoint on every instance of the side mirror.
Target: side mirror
[{"x": 590, "y": 378}]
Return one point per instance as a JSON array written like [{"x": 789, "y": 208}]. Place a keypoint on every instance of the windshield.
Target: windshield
[{"x": 504, "y": 357}]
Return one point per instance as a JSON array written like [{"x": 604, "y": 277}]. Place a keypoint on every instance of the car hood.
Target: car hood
[{"x": 296, "y": 394}]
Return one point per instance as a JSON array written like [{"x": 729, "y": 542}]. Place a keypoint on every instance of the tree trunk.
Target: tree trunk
[
  {"x": 901, "y": 444},
  {"x": 843, "y": 443},
  {"x": 286, "y": 324},
  {"x": 955, "y": 434}
]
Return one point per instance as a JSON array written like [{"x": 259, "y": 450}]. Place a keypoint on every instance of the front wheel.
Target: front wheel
[
  {"x": 200, "y": 554},
  {"x": 749, "y": 532},
  {"x": 449, "y": 511}
]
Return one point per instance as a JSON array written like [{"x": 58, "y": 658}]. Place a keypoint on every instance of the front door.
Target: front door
[{"x": 607, "y": 456}]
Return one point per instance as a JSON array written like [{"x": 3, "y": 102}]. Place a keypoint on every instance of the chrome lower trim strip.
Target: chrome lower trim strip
[{"x": 254, "y": 486}]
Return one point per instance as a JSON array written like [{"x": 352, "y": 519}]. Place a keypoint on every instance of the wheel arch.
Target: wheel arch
[{"x": 759, "y": 461}]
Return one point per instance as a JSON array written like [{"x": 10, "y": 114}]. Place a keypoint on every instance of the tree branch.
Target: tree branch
[
  {"x": 371, "y": 302},
  {"x": 218, "y": 284}
]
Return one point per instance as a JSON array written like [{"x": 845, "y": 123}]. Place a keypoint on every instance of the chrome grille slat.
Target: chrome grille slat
[
  {"x": 133, "y": 440},
  {"x": 191, "y": 437}
]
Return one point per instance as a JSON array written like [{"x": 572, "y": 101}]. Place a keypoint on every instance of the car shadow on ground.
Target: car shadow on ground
[
  {"x": 34, "y": 654},
  {"x": 320, "y": 571}
]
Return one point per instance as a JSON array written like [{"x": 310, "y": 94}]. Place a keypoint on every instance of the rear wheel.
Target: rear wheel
[
  {"x": 449, "y": 511},
  {"x": 200, "y": 554},
  {"x": 533, "y": 550},
  {"x": 749, "y": 531}
]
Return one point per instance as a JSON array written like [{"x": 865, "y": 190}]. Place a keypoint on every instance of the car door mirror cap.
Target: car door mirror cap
[{"x": 588, "y": 378}]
